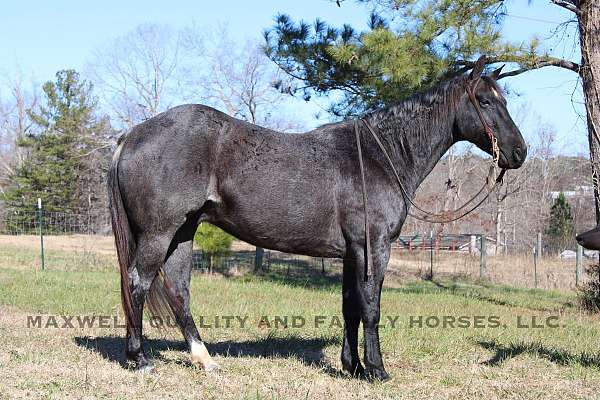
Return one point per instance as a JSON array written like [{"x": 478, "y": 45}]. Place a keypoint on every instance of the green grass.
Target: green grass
[{"x": 288, "y": 361}]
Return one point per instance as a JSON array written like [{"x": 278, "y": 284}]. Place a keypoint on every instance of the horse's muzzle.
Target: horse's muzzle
[
  {"x": 590, "y": 239},
  {"x": 519, "y": 155},
  {"x": 513, "y": 159}
]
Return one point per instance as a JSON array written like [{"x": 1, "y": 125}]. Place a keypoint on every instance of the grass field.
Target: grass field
[{"x": 500, "y": 359}]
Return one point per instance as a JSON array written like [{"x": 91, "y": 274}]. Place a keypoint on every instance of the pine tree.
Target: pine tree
[
  {"x": 409, "y": 46},
  {"x": 59, "y": 167},
  {"x": 560, "y": 229}
]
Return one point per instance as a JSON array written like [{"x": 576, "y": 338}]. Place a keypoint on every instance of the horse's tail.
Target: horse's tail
[{"x": 124, "y": 240}]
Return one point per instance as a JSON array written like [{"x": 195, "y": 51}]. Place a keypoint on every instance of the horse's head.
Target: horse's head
[{"x": 485, "y": 101}]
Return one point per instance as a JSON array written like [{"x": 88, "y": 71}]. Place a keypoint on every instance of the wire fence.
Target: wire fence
[
  {"x": 71, "y": 240},
  {"x": 54, "y": 223},
  {"x": 479, "y": 257}
]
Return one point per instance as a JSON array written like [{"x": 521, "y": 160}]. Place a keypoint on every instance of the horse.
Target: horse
[
  {"x": 590, "y": 239},
  {"x": 298, "y": 193}
]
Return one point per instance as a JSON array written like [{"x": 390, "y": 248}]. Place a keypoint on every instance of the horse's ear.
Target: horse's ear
[
  {"x": 496, "y": 73},
  {"x": 478, "y": 68}
]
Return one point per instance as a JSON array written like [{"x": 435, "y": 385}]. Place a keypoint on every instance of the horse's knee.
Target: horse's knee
[{"x": 371, "y": 319}]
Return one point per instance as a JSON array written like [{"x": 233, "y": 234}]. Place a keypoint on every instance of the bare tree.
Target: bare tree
[
  {"x": 241, "y": 82},
  {"x": 15, "y": 123},
  {"x": 137, "y": 74}
]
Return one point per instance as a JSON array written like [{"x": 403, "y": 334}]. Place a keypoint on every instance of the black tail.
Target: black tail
[
  {"x": 124, "y": 240},
  {"x": 161, "y": 290},
  {"x": 163, "y": 303}
]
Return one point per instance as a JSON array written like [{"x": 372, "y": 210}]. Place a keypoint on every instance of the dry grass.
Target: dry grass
[
  {"x": 39, "y": 364},
  {"x": 104, "y": 245},
  {"x": 513, "y": 270}
]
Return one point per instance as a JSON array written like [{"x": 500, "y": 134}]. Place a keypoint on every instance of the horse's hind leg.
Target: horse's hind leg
[
  {"x": 148, "y": 259},
  {"x": 177, "y": 284}
]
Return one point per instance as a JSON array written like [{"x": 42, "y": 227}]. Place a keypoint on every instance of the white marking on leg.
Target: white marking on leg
[{"x": 200, "y": 356}]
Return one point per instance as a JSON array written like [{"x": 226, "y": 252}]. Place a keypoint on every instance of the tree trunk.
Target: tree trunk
[{"x": 589, "y": 31}]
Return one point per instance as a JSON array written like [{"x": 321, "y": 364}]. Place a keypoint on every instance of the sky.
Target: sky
[{"x": 41, "y": 37}]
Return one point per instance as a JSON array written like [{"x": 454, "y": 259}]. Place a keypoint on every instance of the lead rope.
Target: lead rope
[
  {"x": 368, "y": 259},
  {"x": 429, "y": 216}
]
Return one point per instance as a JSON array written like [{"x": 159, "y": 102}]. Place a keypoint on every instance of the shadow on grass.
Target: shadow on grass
[
  {"x": 280, "y": 268},
  {"x": 469, "y": 289},
  {"x": 112, "y": 348},
  {"x": 308, "y": 350},
  {"x": 537, "y": 349},
  {"x": 306, "y": 279}
]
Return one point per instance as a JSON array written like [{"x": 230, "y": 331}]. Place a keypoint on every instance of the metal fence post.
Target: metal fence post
[
  {"x": 483, "y": 257},
  {"x": 40, "y": 214},
  {"x": 578, "y": 265},
  {"x": 431, "y": 255},
  {"x": 535, "y": 261}
]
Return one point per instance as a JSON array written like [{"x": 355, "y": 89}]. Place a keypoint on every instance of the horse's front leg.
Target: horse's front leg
[
  {"x": 370, "y": 305},
  {"x": 361, "y": 301},
  {"x": 351, "y": 309}
]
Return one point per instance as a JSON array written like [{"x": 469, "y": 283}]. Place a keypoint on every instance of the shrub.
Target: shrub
[
  {"x": 213, "y": 241},
  {"x": 589, "y": 294}
]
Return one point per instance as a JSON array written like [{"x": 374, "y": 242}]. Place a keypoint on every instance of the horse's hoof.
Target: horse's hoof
[
  {"x": 356, "y": 371},
  {"x": 379, "y": 375}
]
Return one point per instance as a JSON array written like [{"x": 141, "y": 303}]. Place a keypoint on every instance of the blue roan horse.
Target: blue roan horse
[{"x": 298, "y": 193}]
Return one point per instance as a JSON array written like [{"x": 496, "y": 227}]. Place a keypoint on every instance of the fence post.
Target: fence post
[
  {"x": 258, "y": 259},
  {"x": 431, "y": 255},
  {"x": 578, "y": 265},
  {"x": 535, "y": 261},
  {"x": 40, "y": 213},
  {"x": 472, "y": 245},
  {"x": 483, "y": 257}
]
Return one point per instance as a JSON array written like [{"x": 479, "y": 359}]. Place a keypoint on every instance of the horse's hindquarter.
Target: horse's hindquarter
[{"x": 278, "y": 190}]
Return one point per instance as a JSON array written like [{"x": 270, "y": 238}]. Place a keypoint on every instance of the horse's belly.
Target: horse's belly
[{"x": 297, "y": 218}]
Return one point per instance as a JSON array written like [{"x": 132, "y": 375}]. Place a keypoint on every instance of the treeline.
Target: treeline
[
  {"x": 62, "y": 159},
  {"x": 551, "y": 194},
  {"x": 56, "y": 138}
]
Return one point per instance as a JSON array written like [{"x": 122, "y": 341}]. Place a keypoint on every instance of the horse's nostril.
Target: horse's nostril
[{"x": 518, "y": 154}]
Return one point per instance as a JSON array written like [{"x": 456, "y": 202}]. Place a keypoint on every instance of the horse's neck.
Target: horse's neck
[{"x": 415, "y": 142}]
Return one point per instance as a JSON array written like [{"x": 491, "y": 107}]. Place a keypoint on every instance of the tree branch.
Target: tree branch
[
  {"x": 566, "y": 4},
  {"x": 552, "y": 62},
  {"x": 536, "y": 64}
]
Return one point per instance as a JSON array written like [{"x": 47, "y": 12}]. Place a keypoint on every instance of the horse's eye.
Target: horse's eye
[{"x": 484, "y": 102}]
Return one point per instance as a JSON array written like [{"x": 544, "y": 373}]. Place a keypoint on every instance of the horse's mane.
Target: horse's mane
[
  {"x": 425, "y": 112},
  {"x": 418, "y": 114}
]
